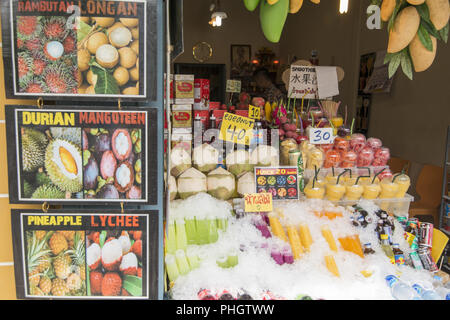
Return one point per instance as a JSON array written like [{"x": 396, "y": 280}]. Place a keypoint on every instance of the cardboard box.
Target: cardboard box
[
  {"x": 182, "y": 116},
  {"x": 171, "y": 87},
  {"x": 214, "y": 105},
  {"x": 201, "y": 94},
  {"x": 184, "y": 89}
]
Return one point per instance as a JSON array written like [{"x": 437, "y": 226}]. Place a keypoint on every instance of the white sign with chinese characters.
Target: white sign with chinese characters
[{"x": 303, "y": 82}]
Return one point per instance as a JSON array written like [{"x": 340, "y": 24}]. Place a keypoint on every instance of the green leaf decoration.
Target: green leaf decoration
[
  {"x": 106, "y": 84},
  {"x": 430, "y": 28},
  {"x": 102, "y": 238},
  {"x": 407, "y": 64},
  {"x": 133, "y": 285},
  {"x": 425, "y": 38},
  {"x": 84, "y": 30},
  {"x": 424, "y": 12},
  {"x": 444, "y": 33},
  {"x": 388, "y": 57},
  {"x": 398, "y": 7},
  {"x": 394, "y": 64}
]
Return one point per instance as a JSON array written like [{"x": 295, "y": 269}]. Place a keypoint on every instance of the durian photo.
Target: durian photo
[
  {"x": 56, "y": 263},
  {"x": 51, "y": 163}
]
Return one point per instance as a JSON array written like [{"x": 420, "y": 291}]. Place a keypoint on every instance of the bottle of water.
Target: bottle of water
[
  {"x": 426, "y": 294},
  {"x": 400, "y": 290}
]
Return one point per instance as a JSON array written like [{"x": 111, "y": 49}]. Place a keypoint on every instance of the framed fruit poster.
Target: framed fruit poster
[
  {"x": 84, "y": 49},
  {"x": 85, "y": 255},
  {"x": 81, "y": 156}
]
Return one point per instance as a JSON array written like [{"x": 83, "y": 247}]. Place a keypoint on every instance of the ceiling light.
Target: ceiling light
[{"x": 343, "y": 6}]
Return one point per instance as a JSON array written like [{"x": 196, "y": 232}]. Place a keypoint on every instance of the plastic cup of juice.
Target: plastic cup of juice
[
  {"x": 191, "y": 230},
  {"x": 353, "y": 192},
  {"x": 192, "y": 257},
  {"x": 171, "y": 267},
  {"x": 222, "y": 261},
  {"x": 388, "y": 189},
  {"x": 232, "y": 259},
  {"x": 182, "y": 263},
  {"x": 171, "y": 241},
  {"x": 371, "y": 191},
  {"x": 403, "y": 183},
  {"x": 202, "y": 230},
  {"x": 180, "y": 228},
  {"x": 213, "y": 235},
  {"x": 335, "y": 192},
  {"x": 318, "y": 192}
]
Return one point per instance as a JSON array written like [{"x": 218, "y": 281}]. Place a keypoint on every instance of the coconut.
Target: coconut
[
  {"x": 191, "y": 182},
  {"x": 205, "y": 158},
  {"x": 180, "y": 161},
  {"x": 246, "y": 184},
  {"x": 238, "y": 162},
  {"x": 265, "y": 156},
  {"x": 172, "y": 188},
  {"x": 221, "y": 184}
]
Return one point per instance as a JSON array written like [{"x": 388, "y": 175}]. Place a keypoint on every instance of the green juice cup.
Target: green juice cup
[
  {"x": 192, "y": 257},
  {"x": 213, "y": 235},
  {"x": 182, "y": 263},
  {"x": 222, "y": 224},
  {"x": 232, "y": 259},
  {"x": 191, "y": 230},
  {"x": 180, "y": 228},
  {"x": 171, "y": 267},
  {"x": 202, "y": 230},
  {"x": 222, "y": 262},
  {"x": 171, "y": 245}
]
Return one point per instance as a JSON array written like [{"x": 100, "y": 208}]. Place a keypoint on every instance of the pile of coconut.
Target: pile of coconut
[{"x": 201, "y": 173}]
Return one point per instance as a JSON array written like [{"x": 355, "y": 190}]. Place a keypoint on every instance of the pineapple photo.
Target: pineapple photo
[{"x": 56, "y": 263}]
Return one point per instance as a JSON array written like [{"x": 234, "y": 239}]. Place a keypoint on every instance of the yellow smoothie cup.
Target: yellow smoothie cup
[
  {"x": 388, "y": 189},
  {"x": 354, "y": 192},
  {"x": 371, "y": 191},
  {"x": 318, "y": 192},
  {"x": 335, "y": 192},
  {"x": 403, "y": 182}
]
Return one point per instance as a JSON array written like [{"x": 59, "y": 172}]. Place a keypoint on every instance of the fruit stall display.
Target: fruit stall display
[{"x": 308, "y": 249}]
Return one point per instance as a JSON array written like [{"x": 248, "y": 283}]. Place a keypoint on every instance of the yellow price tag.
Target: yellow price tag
[
  {"x": 254, "y": 112},
  {"x": 236, "y": 129},
  {"x": 258, "y": 202}
]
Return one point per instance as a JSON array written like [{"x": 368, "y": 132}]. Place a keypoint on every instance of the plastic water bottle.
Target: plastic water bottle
[
  {"x": 399, "y": 289},
  {"x": 426, "y": 294}
]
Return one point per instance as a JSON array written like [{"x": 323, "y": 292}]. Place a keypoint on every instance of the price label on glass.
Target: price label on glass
[
  {"x": 236, "y": 129},
  {"x": 254, "y": 112},
  {"x": 321, "y": 135}
]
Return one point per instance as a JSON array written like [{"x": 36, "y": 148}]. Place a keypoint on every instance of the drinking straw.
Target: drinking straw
[
  {"x": 351, "y": 128},
  {"x": 373, "y": 180},
  {"x": 357, "y": 179},
  {"x": 339, "y": 176},
  {"x": 303, "y": 99},
  {"x": 398, "y": 174},
  {"x": 316, "y": 172},
  {"x": 332, "y": 170},
  {"x": 294, "y": 110},
  {"x": 345, "y": 121},
  {"x": 312, "y": 117},
  {"x": 318, "y": 124}
]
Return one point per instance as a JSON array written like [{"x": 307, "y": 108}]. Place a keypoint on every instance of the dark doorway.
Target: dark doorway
[{"x": 216, "y": 73}]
